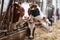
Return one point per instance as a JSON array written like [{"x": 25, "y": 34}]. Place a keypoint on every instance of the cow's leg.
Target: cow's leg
[
  {"x": 31, "y": 27},
  {"x": 31, "y": 32},
  {"x": 49, "y": 28},
  {"x": 14, "y": 27}
]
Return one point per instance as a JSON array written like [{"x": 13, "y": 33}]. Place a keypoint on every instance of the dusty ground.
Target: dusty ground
[{"x": 42, "y": 34}]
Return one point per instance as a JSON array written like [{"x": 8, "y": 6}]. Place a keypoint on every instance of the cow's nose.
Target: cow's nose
[{"x": 26, "y": 17}]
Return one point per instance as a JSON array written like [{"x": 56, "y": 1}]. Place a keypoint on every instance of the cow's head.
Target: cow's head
[
  {"x": 21, "y": 10},
  {"x": 18, "y": 11},
  {"x": 25, "y": 7}
]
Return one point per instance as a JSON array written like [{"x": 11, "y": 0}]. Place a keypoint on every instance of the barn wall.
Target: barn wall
[
  {"x": 58, "y": 6},
  {"x": 44, "y": 7},
  {"x": 54, "y": 3}
]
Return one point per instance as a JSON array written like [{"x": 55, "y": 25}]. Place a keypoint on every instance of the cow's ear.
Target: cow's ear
[{"x": 30, "y": 4}]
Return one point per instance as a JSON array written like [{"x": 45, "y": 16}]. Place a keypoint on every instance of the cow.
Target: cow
[
  {"x": 37, "y": 14},
  {"x": 28, "y": 12},
  {"x": 18, "y": 13}
]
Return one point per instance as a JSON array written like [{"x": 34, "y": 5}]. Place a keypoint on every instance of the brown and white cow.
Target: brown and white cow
[
  {"x": 37, "y": 14},
  {"x": 41, "y": 17},
  {"x": 23, "y": 11},
  {"x": 18, "y": 13}
]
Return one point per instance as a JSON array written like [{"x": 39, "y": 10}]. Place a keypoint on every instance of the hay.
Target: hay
[{"x": 40, "y": 34}]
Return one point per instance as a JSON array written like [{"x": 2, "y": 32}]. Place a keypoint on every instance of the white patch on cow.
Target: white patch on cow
[
  {"x": 25, "y": 5},
  {"x": 41, "y": 14},
  {"x": 40, "y": 17}
]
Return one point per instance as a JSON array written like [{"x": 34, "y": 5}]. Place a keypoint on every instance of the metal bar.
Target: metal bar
[
  {"x": 13, "y": 33},
  {"x": 2, "y": 6},
  {"x": 1, "y": 11}
]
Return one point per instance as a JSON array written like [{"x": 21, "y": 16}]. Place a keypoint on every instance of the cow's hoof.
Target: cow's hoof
[
  {"x": 14, "y": 29},
  {"x": 50, "y": 30},
  {"x": 31, "y": 37}
]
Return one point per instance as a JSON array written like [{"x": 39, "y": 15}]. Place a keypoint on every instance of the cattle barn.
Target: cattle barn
[{"x": 29, "y": 19}]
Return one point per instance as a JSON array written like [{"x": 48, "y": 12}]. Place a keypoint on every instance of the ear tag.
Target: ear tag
[
  {"x": 33, "y": 9},
  {"x": 16, "y": 7}
]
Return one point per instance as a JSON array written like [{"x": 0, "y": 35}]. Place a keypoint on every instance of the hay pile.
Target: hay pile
[
  {"x": 57, "y": 29},
  {"x": 41, "y": 34}
]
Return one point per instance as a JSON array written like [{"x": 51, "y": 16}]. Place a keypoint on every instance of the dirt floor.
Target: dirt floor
[{"x": 42, "y": 34}]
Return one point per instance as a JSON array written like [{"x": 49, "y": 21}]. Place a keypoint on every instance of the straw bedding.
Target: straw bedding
[{"x": 41, "y": 34}]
